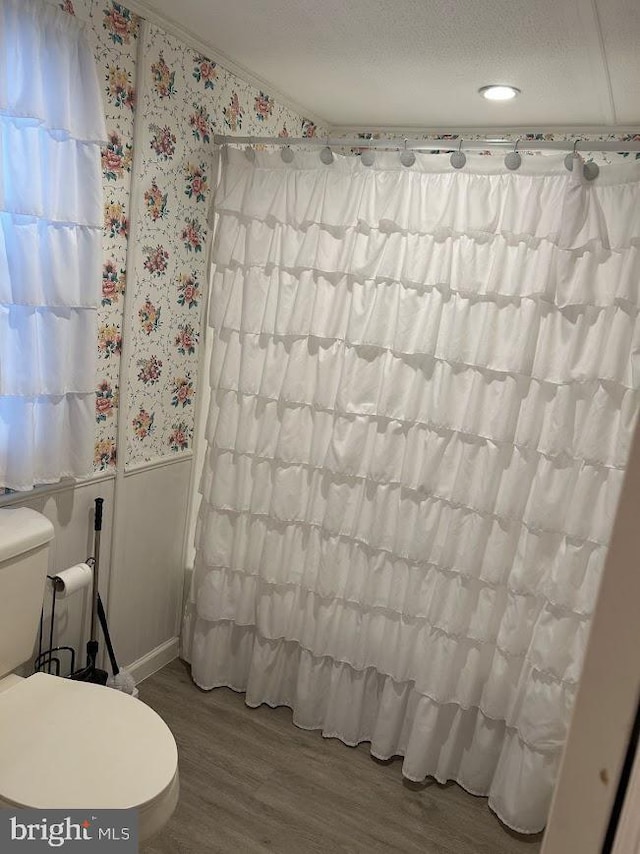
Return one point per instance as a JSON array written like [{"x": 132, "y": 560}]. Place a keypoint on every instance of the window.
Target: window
[{"x": 51, "y": 128}]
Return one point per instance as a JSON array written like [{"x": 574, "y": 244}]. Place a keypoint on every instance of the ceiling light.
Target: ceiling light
[{"x": 499, "y": 92}]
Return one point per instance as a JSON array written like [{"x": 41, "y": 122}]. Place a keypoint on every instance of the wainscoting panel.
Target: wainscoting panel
[{"x": 145, "y": 598}]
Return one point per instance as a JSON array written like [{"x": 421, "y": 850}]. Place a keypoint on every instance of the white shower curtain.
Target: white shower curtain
[{"x": 423, "y": 394}]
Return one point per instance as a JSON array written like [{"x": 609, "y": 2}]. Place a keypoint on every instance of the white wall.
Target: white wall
[{"x": 607, "y": 698}]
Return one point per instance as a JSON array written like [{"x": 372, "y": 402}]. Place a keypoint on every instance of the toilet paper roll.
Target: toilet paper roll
[{"x": 71, "y": 580}]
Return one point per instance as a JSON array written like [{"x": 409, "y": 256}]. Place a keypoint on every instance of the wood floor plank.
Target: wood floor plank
[{"x": 252, "y": 782}]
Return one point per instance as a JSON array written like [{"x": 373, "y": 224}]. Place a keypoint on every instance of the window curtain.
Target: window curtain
[
  {"x": 51, "y": 217},
  {"x": 424, "y": 387}
]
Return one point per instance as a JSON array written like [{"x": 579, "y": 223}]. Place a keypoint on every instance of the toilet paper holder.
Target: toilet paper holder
[
  {"x": 68, "y": 582},
  {"x": 50, "y": 660}
]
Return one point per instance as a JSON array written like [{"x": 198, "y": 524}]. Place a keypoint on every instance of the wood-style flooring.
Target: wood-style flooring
[{"x": 253, "y": 782}]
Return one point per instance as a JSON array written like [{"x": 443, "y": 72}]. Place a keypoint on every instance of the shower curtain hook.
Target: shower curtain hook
[
  {"x": 513, "y": 160},
  {"x": 367, "y": 157},
  {"x": 326, "y": 155},
  {"x": 568, "y": 160},
  {"x": 458, "y": 158},
  {"x": 407, "y": 158},
  {"x": 590, "y": 170}
]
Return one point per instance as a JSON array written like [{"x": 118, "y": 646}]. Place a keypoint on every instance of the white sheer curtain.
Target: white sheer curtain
[
  {"x": 51, "y": 216},
  {"x": 423, "y": 394}
]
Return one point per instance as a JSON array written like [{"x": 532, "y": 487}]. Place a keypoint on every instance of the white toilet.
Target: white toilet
[{"x": 66, "y": 744}]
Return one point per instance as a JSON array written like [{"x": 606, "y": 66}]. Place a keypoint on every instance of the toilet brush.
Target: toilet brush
[
  {"x": 92, "y": 673},
  {"x": 122, "y": 680}
]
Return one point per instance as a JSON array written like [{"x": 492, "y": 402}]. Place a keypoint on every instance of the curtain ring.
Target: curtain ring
[
  {"x": 367, "y": 157},
  {"x": 326, "y": 155},
  {"x": 407, "y": 158},
  {"x": 590, "y": 170},
  {"x": 513, "y": 160},
  {"x": 571, "y": 156},
  {"x": 458, "y": 158}
]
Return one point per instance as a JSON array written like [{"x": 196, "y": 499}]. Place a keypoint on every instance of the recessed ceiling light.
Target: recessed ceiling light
[{"x": 499, "y": 92}]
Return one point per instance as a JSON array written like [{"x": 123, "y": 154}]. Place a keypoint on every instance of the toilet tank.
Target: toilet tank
[{"x": 24, "y": 559}]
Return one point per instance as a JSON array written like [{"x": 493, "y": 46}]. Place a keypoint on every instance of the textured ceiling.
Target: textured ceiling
[{"x": 419, "y": 63}]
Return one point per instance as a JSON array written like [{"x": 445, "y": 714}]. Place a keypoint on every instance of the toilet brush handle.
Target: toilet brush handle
[
  {"x": 97, "y": 524},
  {"x": 97, "y": 528},
  {"x": 107, "y": 637}
]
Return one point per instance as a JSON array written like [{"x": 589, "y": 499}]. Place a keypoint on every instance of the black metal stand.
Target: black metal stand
[{"x": 49, "y": 659}]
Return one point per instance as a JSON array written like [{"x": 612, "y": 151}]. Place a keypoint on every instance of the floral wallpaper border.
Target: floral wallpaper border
[{"x": 602, "y": 156}]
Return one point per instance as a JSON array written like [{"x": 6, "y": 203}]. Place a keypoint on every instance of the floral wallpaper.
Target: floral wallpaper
[{"x": 184, "y": 98}]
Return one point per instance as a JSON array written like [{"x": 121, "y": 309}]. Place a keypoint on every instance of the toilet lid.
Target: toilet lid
[{"x": 73, "y": 745}]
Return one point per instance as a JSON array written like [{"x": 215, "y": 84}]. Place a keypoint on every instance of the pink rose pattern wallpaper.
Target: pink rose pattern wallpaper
[{"x": 185, "y": 99}]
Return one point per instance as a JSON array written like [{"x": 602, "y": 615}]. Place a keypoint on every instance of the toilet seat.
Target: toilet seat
[{"x": 74, "y": 745}]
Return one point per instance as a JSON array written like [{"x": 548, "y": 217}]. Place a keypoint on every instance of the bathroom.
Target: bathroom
[{"x": 205, "y": 456}]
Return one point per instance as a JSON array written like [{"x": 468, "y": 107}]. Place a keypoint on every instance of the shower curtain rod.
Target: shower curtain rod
[{"x": 523, "y": 144}]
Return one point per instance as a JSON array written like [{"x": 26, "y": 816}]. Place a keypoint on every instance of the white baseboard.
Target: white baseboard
[{"x": 154, "y": 660}]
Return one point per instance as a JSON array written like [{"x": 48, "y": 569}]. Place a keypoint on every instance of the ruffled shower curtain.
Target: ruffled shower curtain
[
  {"x": 423, "y": 395},
  {"x": 51, "y": 219}
]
